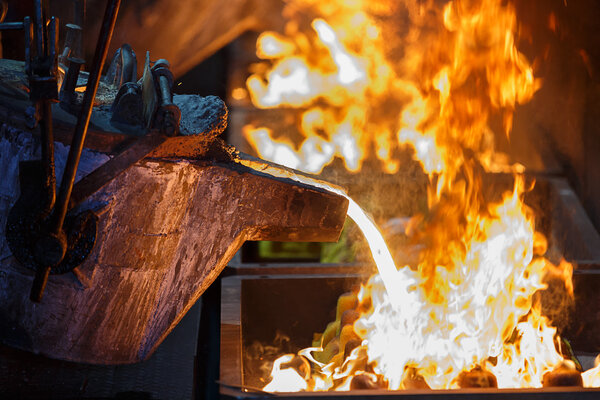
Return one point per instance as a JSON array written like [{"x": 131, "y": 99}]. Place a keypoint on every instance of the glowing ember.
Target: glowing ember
[{"x": 467, "y": 312}]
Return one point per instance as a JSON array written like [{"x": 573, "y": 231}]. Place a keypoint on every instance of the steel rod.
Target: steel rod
[
  {"x": 79, "y": 11},
  {"x": 48, "y": 155},
  {"x": 114, "y": 167},
  {"x": 71, "y": 44},
  {"x": 38, "y": 24},
  {"x": 11, "y": 26},
  {"x": 46, "y": 124},
  {"x": 39, "y": 284},
  {"x": 28, "y": 32},
  {"x": 52, "y": 41},
  {"x": 3, "y": 10},
  {"x": 69, "y": 84},
  {"x": 66, "y": 185},
  {"x": 45, "y": 65}
]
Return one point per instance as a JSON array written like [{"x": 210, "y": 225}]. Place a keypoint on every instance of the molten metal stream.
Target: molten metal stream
[{"x": 379, "y": 250}]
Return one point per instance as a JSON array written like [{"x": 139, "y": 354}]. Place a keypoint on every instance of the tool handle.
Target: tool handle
[
  {"x": 66, "y": 185},
  {"x": 39, "y": 284}
]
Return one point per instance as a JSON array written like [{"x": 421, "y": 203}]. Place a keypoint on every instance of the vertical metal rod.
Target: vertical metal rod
[
  {"x": 3, "y": 10},
  {"x": 79, "y": 11},
  {"x": 28, "y": 33},
  {"x": 48, "y": 44},
  {"x": 38, "y": 24},
  {"x": 48, "y": 154},
  {"x": 72, "y": 41},
  {"x": 165, "y": 90},
  {"x": 66, "y": 185},
  {"x": 41, "y": 274},
  {"x": 52, "y": 42},
  {"x": 45, "y": 106}
]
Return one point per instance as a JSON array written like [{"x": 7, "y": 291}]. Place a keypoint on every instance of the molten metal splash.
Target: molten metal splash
[{"x": 469, "y": 303}]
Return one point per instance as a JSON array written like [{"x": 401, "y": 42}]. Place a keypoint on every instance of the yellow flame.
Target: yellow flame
[
  {"x": 288, "y": 380},
  {"x": 450, "y": 80},
  {"x": 591, "y": 377},
  {"x": 239, "y": 93},
  {"x": 469, "y": 302},
  {"x": 273, "y": 45},
  {"x": 484, "y": 308},
  {"x": 331, "y": 72},
  {"x": 470, "y": 313}
]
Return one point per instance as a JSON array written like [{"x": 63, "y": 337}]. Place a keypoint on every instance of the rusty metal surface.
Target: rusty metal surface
[
  {"x": 108, "y": 171},
  {"x": 198, "y": 146},
  {"x": 167, "y": 228}
]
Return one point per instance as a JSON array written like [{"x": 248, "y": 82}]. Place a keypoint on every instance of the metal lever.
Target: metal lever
[
  {"x": 36, "y": 231},
  {"x": 44, "y": 91},
  {"x": 67, "y": 90},
  {"x": 68, "y": 178},
  {"x": 50, "y": 245},
  {"x": 53, "y": 244}
]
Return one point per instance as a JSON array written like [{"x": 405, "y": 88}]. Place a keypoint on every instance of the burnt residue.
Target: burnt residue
[{"x": 206, "y": 116}]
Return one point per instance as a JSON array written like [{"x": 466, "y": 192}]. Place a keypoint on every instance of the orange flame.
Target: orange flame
[
  {"x": 446, "y": 89},
  {"x": 469, "y": 303}
]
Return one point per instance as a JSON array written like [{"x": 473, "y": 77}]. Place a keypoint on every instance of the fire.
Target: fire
[
  {"x": 469, "y": 306},
  {"x": 338, "y": 76},
  {"x": 591, "y": 377},
  {"x": 452, "y": 319},
  {"x": 288, "y": 379},
  {"x": 483, "y": 311}
]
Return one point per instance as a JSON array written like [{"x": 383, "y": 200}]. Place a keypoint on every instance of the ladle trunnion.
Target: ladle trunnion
[{"x": 104, "y": 249}]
